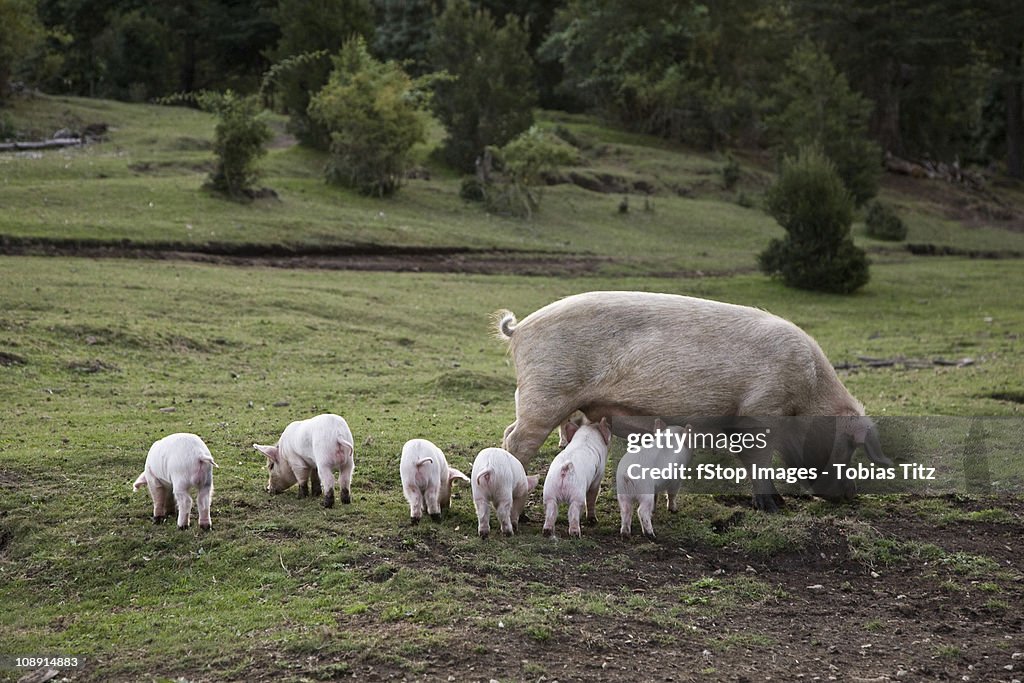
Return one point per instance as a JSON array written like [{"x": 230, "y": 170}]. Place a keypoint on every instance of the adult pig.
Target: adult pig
[{"x": 616, "y": 354}]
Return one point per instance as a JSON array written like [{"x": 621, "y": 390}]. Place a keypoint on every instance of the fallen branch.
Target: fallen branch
[{"x": 40, "y": 144}]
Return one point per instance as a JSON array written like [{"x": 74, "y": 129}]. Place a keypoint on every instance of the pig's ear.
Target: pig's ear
[
  {"x": 606, "y": 431},
  {"x": 570, "y": 430},
  {"x": 140, "y": 482},
  {"x": 269, "y": 451},
  {"x": 454, "y": 474},
  {"x": 532, "y": 481}
]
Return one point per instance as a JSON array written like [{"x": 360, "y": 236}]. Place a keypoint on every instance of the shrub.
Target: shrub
[
  {"x": 371, "y": 112},
  {"x": 883, "y": 223},
  {"x": 811, "y": 203},
  {"x": 730, "y": 173},
  {"x": 239, "y": 141},
  {"x": 523, "y": 163},
  {"x": 489, "y": 99}
]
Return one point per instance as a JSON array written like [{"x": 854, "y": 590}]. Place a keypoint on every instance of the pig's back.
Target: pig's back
[{"x": 663, "y": 353}]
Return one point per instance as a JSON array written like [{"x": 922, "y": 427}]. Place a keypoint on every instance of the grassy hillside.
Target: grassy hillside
[
  {"x": 100, "y": 357},
  {"x": 143, "y": 184}
]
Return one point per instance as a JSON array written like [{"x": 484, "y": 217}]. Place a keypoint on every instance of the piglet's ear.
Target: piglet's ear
[
  {"x": 606, "y": 431},
  {"x": 532, "y": 481},
  {"x": 269, "y": 451},
  {"x": 570, "y": 430}
]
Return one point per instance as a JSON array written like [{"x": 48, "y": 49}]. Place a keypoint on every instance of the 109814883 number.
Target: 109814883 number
[{"x": 34, "y": 662}]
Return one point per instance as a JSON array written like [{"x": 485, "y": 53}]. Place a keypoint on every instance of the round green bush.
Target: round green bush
[
  {"x": 883, "y": 223},
  {"x": 812, "y": 204}
]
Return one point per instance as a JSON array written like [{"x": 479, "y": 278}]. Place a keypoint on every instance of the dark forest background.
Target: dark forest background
[{"x": 938, "y": 80}]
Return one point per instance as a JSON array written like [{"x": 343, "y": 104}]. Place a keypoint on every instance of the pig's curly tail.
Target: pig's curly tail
[{"x": 505, "y": 323}]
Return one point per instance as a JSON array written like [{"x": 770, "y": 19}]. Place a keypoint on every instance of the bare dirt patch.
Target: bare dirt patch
[{"x": 818, "y": 614}]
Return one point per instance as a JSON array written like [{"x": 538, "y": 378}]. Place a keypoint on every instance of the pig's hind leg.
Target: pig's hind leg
[
  {"x": 203, "y": 497},
  {"x": 535, "y": 420}
]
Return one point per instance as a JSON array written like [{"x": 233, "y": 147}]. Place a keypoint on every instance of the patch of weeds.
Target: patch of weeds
[
  {"x": 951, "y": 587},
  {"x": 970, "y": 565},
  {"x": 949, "y": 652},
  {"x": 989, "y": 587},
  {"x": 992, "y": 515},
  {"x": 539, "y": 633},
  {"x": 874, "y": 626},
  {"x": 869, "y": 547},
  {"x": 767, "y": 535},
  {"x": 994, "y": 605}
]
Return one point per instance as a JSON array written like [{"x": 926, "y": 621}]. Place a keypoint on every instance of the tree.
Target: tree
[
  {"x": 490, "y": 97},
  {"x": 816, "y": 210},
  {"x": 240, "y": 139},
  {"x": 20, "y": 34},
  {"x": 374, "y": 120},
  {"x": 308, "y": 27},
  {"x": 683, "y": 69},
  {"x": 815, "y": 107}
]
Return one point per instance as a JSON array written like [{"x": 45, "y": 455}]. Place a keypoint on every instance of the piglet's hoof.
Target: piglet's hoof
[
  {"x": 413, "y": 521},
  {"x": 524, "y": 518},
  {"x": 205, "y": 527},
  {"x": 484, "y": 535},
  {"x": 591, "y": 521},
  {"x": 436, "y": 517},
  {"x": 182, "y": 527},
  {"x": 329, "y": 500},
  {"x": 346, "y": 498},
  {"x": 548, "y": 532}
]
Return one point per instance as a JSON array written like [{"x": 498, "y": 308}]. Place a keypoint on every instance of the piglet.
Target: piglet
[
  {"x": 310, "y": 451},
  {"x": 575, "y": 475},
  {"x": 427, "y": 479},
  {"x": 636, "y": 486},
  {"x": 499, "y": 479},
  {"x": 175, "y": 465}
]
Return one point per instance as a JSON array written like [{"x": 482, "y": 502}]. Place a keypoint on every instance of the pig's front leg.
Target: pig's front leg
[
  {"x": 765, "y": 496},
  {"x": 163, "y": 499}
]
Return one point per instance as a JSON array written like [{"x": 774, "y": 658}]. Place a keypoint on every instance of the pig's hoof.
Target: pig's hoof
[
  {"x": 506, "y": 533},
  {"x": 484, "y": 535},
  {"x": 413, "y": 521},
  {"x": 649, "y": 536},
  {"x": 205, "y": 527},
  {"x": 157, "y": 520},
  {"x": 524, "y": 518},
  {"x": 329, "y": 500},
  {"x": 182, "y": 527},
  {"x": 346, "y": 498},
  {"x": 591, "y": 521},
  {"x": 515, "y": 527},
  {"x": 303, "y": 491},
  {"x": 548, "y": 532},
  {"x": 436, "y": 517},
  {"x": 575, "y": 534},
  {"x": 625, "y": 535}
]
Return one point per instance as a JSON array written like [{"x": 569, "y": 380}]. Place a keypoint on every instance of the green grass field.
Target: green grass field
[{"x": 99, "y": 358}]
